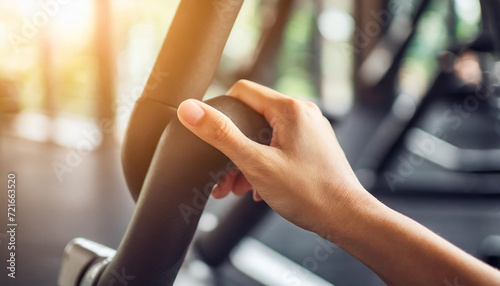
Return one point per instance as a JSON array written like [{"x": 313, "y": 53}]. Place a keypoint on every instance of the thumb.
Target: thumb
[{"x": 215, "y": 128}]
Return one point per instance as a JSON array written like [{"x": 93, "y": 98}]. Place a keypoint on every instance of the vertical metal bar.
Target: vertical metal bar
[
  {"x": 184, "y": 69},
  {"x": 263, "y": 69},
  {"x": 106, "y": 70},
  {"x": 362, "y": 16},
  {"x": 47, "y": 68}
]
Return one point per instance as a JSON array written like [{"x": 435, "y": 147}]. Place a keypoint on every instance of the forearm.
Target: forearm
[
  {"x": 304, "y": 176},
  {"x": 403, "y": 252}
]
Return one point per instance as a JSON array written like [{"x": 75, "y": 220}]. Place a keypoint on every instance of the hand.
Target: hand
[
  {"x": 301, "y": 175},
  {"x": 304, "y": 176}
]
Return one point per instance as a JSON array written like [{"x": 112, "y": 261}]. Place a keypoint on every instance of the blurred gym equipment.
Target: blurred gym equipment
[{"x": 418, "y": 148}]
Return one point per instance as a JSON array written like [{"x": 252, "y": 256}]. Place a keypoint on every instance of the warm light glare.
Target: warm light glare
[{"x": 74, "y": 17}]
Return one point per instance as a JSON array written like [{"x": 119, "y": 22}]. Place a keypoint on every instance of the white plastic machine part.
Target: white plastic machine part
[{"x": 83, "y": 262}]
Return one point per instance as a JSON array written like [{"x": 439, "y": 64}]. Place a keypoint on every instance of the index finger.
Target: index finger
[{"x": 260, "y": 98}]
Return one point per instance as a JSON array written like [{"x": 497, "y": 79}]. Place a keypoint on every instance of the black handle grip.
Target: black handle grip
[{"x": 179, "y": 182}]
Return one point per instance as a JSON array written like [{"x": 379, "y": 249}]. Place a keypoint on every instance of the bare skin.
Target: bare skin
[{"x": 305, "y": 177}]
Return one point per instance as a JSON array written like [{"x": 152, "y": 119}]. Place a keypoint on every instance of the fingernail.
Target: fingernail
[
  {"x": 256, "y": 196},
  {"x": 215, "y": 190},
  {"x": 191, "y": 112}
]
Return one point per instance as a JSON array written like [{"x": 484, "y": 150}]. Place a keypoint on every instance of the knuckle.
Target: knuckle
[
  {"x": 293, "y": 107},
  {"x": 296, "y": 105},
  {"x": 241, "y": 84},
  {"x": 313, "y": 109},
  {"x": 312, "y": 106},
  {"x": 290, "y": 101}
]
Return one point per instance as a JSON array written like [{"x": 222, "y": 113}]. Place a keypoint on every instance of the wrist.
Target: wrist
[{"x": 347, "y": 216}]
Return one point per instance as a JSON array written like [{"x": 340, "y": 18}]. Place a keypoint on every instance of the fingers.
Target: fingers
[
  {"x": 219, "y": 192},
  {"x": 219, "y": 131},
  {"x": 256, "y": 196},
  {"x": 260, "y": 98},
  {"x": 225, "y": 185},
  {"x": 241, "y": 185},
  {"x": 235, "y": 182}
]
